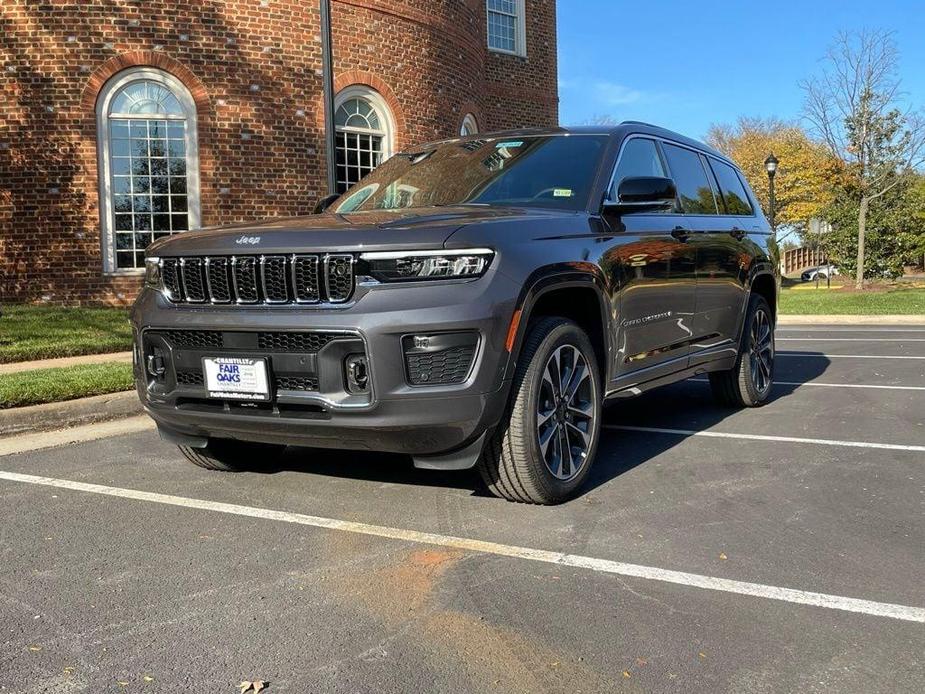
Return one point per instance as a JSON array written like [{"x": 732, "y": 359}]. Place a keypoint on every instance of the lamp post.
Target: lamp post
[{"x": 770, "y": 165}]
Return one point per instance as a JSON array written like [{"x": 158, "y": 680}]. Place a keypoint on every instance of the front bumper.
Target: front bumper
[{"x": 394, "y": 416}]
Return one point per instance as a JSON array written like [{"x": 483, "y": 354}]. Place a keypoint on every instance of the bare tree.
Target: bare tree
[{"x": 855, "y": 106}]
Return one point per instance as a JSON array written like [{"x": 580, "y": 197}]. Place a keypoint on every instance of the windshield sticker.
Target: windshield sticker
[
  {"x": 562, "y": 192},
  {"x": 509, "y": 145}
]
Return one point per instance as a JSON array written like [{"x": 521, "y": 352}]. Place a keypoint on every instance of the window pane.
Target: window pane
[
  {"x": 125, "y": 259},
  {"x": 124, "y": 222},
  {"x": 121, "y": 166},
  {"x": 162, "y": 222},
  {"x": 160, "y": 185},
  {"x": 176, "y": 148},
  {"x": 125, "y": 241},
  {"x": 142, "y": 222},
  {"x": 139, "y": 148},
  {"x": 160, "y": 203},
  {"x": 140, "y": 167},
  {"x": 175, "y": 129},
  {"x": 122, "y": 203},
  {"x": 158, "y": 167},
  {"x": 638, "y": 158},
  {"x": 691, "y": 180},
  {"x": 142, "y": 203},
  {"x": 178, "y": 203},
  {"x": 731, "y": 188},
  {"x": 179, "y": 222},
  {"x": 139, "y": 128},
  {"x": 118, "y": 128},
  {"x": 177, "y": 184},
  {"x": 121, "y": 148},
  {"x": 121, "y": 184}
]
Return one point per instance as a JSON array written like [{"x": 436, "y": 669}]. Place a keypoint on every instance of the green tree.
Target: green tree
[{"x": 854, "y": 107}]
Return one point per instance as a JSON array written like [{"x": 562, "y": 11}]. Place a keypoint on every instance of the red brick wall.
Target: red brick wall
[{"x": 253, "y": 67}]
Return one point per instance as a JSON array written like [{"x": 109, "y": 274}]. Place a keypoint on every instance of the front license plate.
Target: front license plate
[{"x": 234, "y": 378}]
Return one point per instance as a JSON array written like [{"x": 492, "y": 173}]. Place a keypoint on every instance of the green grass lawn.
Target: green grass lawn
[
  {"x": 66, "y": 383},
  {"x": 806, "y": 299},
  {"x": 43, "y": 332}
]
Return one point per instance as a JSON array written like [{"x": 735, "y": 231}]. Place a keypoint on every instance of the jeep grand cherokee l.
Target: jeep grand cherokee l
[{"x": 471, "y": 303}]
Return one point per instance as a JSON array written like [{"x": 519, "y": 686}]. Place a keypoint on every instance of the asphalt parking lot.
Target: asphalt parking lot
[{"x": 771, "y": 550}]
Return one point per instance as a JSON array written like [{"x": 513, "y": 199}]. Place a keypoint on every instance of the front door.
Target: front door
[{"x": 653, "y": 265}]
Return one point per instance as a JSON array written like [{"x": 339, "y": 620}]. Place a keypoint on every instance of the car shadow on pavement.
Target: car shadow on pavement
[{"x": 687, "y": 405}]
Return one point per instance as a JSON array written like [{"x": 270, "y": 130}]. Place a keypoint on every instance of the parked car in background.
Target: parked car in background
[
  {"x": 471, "y": 302},
  {"x": 822, "y": 272}
]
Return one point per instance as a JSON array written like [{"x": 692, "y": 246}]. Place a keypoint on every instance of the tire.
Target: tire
[
  {"x": 515, "y": 465},
  {"x": 749, "y": 382},
  {"x": 227, "y": 455}
]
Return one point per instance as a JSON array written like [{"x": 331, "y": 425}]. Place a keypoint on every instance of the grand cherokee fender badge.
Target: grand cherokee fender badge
[{"x": 248, "y": 241}]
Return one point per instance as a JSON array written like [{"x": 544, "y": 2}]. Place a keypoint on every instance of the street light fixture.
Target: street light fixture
[{"x": 770, "y": 165}]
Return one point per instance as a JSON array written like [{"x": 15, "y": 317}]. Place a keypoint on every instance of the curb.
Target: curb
[
  {"x": 20, "y": 366},
  {"x": 842, "y": 319},
  {"x": 70, "y": 413}
]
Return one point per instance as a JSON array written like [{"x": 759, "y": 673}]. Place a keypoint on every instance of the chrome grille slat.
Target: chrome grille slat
[
  {"x": 301, "y": 278},
  {"x": 244, "y": 276},
  {"x": 217, "y": 280},
  {"x": 194, "y": 286}
]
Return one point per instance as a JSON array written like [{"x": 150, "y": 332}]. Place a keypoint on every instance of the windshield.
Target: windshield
[{"x": 554, "y": 171}]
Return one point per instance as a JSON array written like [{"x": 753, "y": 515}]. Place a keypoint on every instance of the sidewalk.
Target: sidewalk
[
  {"x": 19, "y": 366},
  {"x": 850, "y": 319}
]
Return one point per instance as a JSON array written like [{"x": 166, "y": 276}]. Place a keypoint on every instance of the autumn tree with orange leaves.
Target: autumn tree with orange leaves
[{"x": 807, "y": 174}]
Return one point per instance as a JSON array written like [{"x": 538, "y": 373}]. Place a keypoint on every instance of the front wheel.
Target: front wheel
[
  {"x": 228, "y": 455},
  {"x": 543, "y": 451},
  {"x": 748, "y": 383}
]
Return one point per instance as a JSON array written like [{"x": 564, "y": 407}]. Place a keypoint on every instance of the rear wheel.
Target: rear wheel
[
  {"x": 748, "y": 383},
  {"x": 543, "y": 452},
  {"x": 228, "y": 455}
]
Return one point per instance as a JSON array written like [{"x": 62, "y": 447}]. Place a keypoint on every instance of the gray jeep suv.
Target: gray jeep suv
[{"x": 472, "y": 303}]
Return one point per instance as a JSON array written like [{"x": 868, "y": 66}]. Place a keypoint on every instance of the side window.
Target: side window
[
  {"x": 691, "y": 180},
  {"x": 731, "y": 187},
  {"x": 638, "y": 158}
]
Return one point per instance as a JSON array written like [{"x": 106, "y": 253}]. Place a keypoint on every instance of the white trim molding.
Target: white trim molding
[
  {"x": 104, "y": 148},
  {"x": 519, "y": 16}
]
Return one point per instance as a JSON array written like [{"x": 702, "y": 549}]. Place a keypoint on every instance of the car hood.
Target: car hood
[{"x": 355, "y": 232}]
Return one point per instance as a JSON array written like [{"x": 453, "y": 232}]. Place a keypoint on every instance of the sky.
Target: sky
[{"x": 686, "y": 64}]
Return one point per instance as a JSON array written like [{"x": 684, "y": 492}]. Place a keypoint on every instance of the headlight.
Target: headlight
[
  {"x": 409, "y": 266},
  {"x": 153, "y": 276}
]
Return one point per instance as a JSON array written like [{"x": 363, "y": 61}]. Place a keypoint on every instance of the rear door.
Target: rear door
[{"x": 723, "y": 260}]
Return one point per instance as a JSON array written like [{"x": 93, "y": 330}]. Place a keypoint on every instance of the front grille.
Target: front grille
[
  {"x": 293, "y": 342},
  {"x": 303, "y": 383},
  {"x": 190, "y": 378},
  {"x": 300, "y": 342},
  {"x": 270, "y": 279}
]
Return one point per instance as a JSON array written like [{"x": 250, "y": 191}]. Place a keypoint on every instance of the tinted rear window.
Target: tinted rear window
[
  {"x": 731, "y": 187},
  {"x": 691, "y": 180}
]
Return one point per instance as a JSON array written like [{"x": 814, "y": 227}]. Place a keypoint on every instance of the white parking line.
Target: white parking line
[
  {"x": 762, "y": 437},
  {"x": 851, "y": 339},
  {"x": 828, "y": 385},
  {"x": 807, "y": 355},
  {"x": 606, "y": 566}
]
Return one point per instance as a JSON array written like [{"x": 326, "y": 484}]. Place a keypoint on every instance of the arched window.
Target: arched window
[
  {"x": 364, "y": 134},
  {"x": 469, "y": 126},
  {"x": 149, "y": 165}
]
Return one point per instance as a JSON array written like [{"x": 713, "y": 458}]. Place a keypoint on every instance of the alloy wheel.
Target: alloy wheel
[
  {"x": 761, "y": 349},
  {"x": 565, "y": 412}
]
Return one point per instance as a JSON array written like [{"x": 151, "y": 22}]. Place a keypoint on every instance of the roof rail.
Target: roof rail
[{"x": 639, "y": 122}]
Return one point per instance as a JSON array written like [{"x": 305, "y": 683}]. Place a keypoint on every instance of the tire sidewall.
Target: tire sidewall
[
  {"x": 751, "y": 394},
  {"x": 565, "y": 333}
]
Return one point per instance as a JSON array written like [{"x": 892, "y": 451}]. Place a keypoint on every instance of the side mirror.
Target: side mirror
[
  {"x": 642, "y": 193},
  {"x": 325, "y": 202}
]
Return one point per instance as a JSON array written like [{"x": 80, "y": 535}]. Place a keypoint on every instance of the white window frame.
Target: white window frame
[
  {"x": 469, "y": 123},
  {"x": 386, "y": 119},
  {"x": 109, "y": 91},
  {"x": 520, "y": 30}
]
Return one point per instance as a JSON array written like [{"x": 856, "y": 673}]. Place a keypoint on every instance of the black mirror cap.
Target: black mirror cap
[
  {"x": 325, "y": 202},
  {"x": 647, "y": 189}
]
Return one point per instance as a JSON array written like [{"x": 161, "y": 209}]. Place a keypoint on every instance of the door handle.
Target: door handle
[
  {"x": 737, "y": 233},
  {"x": 681, "y": 233}
]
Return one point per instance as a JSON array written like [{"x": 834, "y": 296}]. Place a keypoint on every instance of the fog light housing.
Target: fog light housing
[
  {"x": 356, "y": 370},
  {"x": 442, "y": 359}
]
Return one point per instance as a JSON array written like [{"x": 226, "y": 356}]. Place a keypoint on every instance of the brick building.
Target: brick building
[{"x": 124, "y": 120}]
